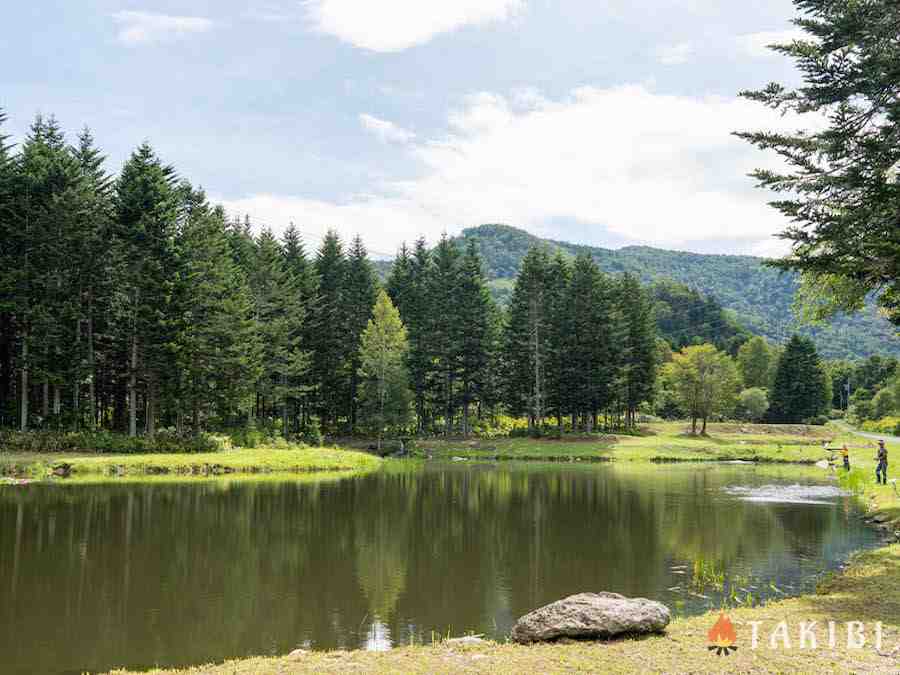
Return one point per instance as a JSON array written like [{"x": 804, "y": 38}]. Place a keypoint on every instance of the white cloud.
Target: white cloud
[
  {"x": 138, "y": 28},
  {"x": 674, "y": 55},
  {"x": 659, "y": 168},
  {"x": 385, "y": 130},
  {"x": 756, "y": 45},
  {"x": 395, "y": 25}
]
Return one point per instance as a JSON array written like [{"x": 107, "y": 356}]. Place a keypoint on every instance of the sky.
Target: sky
[{"x": 604, "y": 122}]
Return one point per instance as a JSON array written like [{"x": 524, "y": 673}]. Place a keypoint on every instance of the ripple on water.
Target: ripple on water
[{"x": 787, "y": 494}]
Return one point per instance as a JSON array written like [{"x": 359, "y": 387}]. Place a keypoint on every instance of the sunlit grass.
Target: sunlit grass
[
  {"x": 290, "y": 459},
  {"x": 660, "y": 442}
]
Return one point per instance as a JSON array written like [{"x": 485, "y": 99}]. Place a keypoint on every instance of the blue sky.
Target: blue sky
[{"x": 597, "y": 121}]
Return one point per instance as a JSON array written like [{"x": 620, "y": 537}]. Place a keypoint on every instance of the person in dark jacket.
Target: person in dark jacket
[{"x": 881, "y": 469}]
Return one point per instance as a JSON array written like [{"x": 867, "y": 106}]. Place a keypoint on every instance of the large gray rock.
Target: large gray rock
[{"x": 591, "y": 615}]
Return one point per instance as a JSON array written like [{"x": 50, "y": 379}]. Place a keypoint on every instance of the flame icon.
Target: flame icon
[{"x": 722, "y": 636}]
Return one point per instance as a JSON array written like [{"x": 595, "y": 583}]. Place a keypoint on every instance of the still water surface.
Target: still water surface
[{"x": 148, "y": 574}]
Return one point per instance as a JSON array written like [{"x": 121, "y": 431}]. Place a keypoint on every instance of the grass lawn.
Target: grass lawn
[
  {"x": 288, "y": 459},
  {"x": 881, "y": 499},
  {"x": 868, "y": 591},
  {"x": 666, "y": 441}
]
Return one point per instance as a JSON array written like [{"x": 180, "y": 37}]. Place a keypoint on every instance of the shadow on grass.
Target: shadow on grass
[{"x": 867, "y": 593}]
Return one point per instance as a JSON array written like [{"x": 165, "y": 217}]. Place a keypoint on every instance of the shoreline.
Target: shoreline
[
  {"x": 284, "y": 460},
  {"x": 865, "y": 590}
]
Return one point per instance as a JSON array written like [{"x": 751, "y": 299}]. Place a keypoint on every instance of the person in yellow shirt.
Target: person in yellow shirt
[{"x": 845, "y": 453}]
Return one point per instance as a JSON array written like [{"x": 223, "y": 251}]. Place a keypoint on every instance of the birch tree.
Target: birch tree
[{"x": 386, "y": 398}]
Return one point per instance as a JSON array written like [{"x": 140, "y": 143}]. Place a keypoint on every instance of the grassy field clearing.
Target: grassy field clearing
[{"x": 665, "y": 441}]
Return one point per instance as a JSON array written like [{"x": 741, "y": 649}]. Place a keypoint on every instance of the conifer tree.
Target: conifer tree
[
  {"x": 218, "y": 347},
  {"x": 360, "y": 292},
  {"x": 94, "y": 265},
  {"x": 559, "y": 321},
  {"x": 304, "y": 273},
  {"x": 444, "y": 328},
  {"x": 408, "y": 286},
  {"x": 800, "y": 391},
  {"x": 9, "y": 254},
  {"x": 47, "y": 204},
  {"x": 639, "y": 372},
  {"x": 525, "y": 340},
  {"x": 385, "y": 395},
  {"x": 399, "y": 281},
  {"x": 477, "y": 323},
  {"x": 279, "y": 321},
  {"x": 299, "y": 264},
  {"x": 594, "y": 321},
  {"x": 841, "y": 189},
  {"x": 330, "y": 348},
  {"x": 146, "y": 215}
]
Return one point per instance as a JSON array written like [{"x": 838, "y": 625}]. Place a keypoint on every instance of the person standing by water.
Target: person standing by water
[
  {"x": 845, "y": 453},
  {"x": 881, "y": 469}
]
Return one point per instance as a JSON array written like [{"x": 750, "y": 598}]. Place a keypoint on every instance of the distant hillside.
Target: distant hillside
[{"x": 760, "y": 298}]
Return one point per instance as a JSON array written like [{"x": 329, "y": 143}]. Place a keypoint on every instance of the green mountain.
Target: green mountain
[{"x": 755, "y": 296}]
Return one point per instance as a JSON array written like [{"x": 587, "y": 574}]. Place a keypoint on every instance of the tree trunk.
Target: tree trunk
[
  {"x": 150, "y": 426},
  {"x": 448, "y": 412},
  {"x": 284, "y": 409},
  {"x": 703, "y": 430},
  {"x": 92, "y": 410},
  {"x": 23, "y": 424},
  {"x": 56, "y": 400},
  {"x": 465, "y": 420},
  {"x": 45, "y": 399},
  {"x": 76, "y": 379},
  {"x": 132, "y": 390}
]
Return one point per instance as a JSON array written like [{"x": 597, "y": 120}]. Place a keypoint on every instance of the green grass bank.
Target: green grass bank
[
  {"x": 657, "y": 442},
  {"x": 286, "y": 460}
]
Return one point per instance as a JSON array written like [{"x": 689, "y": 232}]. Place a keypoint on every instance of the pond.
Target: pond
[{"x": 144, "y": 574}]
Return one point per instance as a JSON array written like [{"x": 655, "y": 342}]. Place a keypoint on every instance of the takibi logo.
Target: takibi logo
[{"x": 722, "y": 636}]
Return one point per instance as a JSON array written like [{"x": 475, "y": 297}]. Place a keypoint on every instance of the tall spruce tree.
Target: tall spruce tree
[
  {"x": 48, "y": 205},
  {"x": 477, "y": 323},
  {"x": 279, "y": 320},
  {"x": 146, "y": 215},
  {"x": 9, "y": 255},
  {"x": 525, "y": 340},
  {"x": 639, "y": 372},
  {"x": 299, "y": 264},
  {"x": 360, "y": 292},
  {"x": 304, "y": 273},
  {"x": 218, "y": 347},
  {"x": 444, "y": 329},
  {"x": 95, "y": 277},
  {"x": 592, "y": 359},
  {"x": 559, "y": 322},
  {"x": 330, "y": 348},
  {"x": 408, "y": 286},
  {"x": 800, "y": 391}
]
